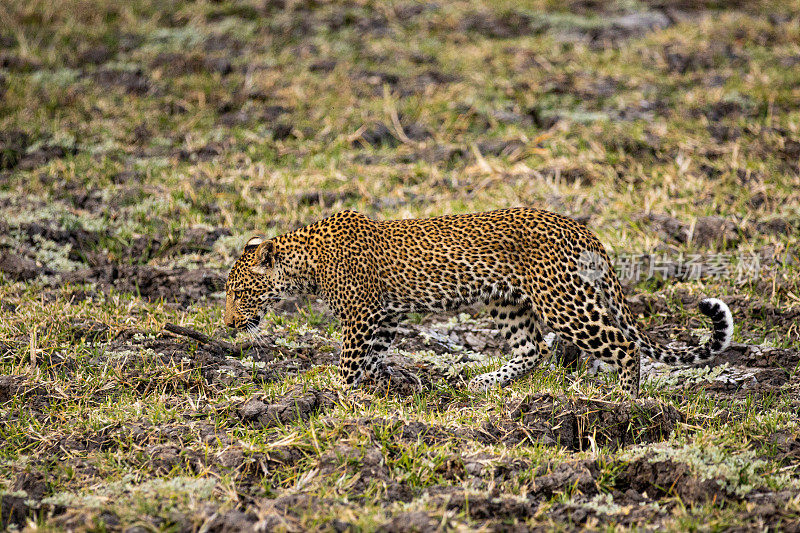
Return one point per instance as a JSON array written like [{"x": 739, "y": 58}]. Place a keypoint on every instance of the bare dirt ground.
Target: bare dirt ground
[{"x": 142, "y": 144}]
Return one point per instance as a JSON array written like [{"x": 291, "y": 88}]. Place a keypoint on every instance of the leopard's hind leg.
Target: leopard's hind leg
[
  {"x": 520, "y": 326},
  {"x": 588, "y": 325}
]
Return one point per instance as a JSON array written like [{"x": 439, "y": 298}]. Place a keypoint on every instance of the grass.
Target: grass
[{"x": 142, "y": 144}]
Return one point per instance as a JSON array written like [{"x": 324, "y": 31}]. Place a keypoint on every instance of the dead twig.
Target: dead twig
[{"x": 219, "y": 347}]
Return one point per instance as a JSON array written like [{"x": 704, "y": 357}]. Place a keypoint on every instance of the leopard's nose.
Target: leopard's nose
[{"x": 230, "y": 322}]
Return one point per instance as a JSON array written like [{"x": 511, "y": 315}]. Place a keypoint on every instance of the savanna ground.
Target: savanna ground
[{"x": 142, "y": 143}]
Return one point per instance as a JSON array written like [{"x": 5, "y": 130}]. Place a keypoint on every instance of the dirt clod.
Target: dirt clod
[
  {"x": 17, "y": 267},
  {"x": 567, "y": 422},
  {"x": 483, "y": 506},
  {"x": 665, "y": 477},
  {"x": 26, "y": 492},
  {"x": 96, "y": 55},
  {"x": 411, "y": 522},
  {"x": 579, "y": 476},
  {"x": 232, "y": 522},
  {"x": 12, "y": 148},
  {"x": 133, "y": 81},
  {"x": 176, "y": 285},
  {"x": 297, "y": 404}
]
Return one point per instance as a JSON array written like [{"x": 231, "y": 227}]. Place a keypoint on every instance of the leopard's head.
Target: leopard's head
[{"x": 255, "y": 281}]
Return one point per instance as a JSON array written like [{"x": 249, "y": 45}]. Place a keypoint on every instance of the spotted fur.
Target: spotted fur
[{"x": 531, "y": 267}]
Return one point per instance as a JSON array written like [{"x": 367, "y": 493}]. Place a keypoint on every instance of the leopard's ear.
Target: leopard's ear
[
  {"x": 265, "y": 257},
  {"x": 253, "y": 242}
]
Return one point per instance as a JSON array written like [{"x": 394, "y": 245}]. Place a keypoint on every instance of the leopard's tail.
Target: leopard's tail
[{"x": 611, "y": 293}]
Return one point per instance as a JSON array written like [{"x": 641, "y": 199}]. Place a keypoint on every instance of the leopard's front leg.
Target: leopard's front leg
[{"x": 365, "y": 344}]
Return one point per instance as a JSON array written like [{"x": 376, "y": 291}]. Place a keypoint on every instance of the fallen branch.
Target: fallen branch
[{"x": 217, "y": 346}]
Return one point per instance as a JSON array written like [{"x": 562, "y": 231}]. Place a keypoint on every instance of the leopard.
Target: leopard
[{"x": 532, "y": 268}]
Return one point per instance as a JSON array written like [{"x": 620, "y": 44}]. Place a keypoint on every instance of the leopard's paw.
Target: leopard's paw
[{"x": 398, "y": 379}]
